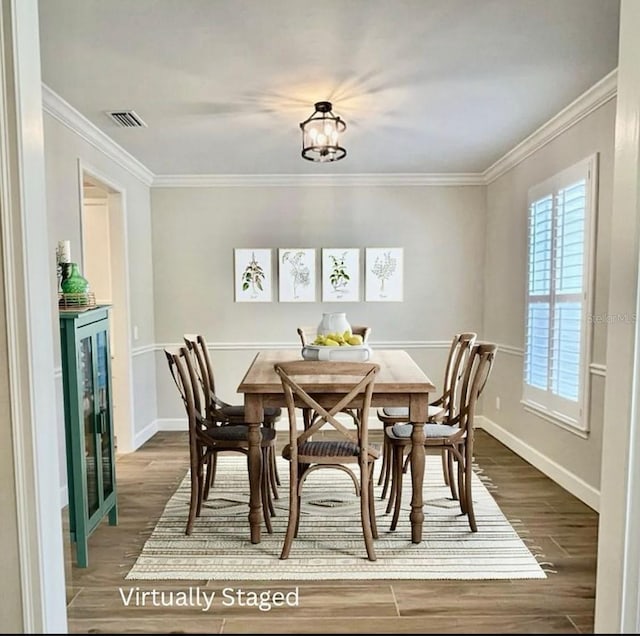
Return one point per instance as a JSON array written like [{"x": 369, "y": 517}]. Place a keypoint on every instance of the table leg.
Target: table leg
[
  {"x": 417, "y": 479},
  {"x": 253, "y": 415}
]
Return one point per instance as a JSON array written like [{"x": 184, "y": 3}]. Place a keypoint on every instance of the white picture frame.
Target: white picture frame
[
  {"x": 384, "y": 278},
  {"x": 296, "y": 275},
  {"x": 253, "y": 277},
  {"x": 340, "y": 274}
]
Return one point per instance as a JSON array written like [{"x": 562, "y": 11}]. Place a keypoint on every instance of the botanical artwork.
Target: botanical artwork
[
  {"x": 297, "y": 275},
  {"x": 253, "y": 275},
  {"x": 340, "y": 274},
  {"x": 383, "y": 274}
]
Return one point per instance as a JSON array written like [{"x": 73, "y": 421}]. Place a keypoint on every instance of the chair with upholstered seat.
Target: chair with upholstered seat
[
  {"x": 220, "y": 411},
  {"x": 454, "y": 434},
  {"x": 352, "y": 448},
  {"x": 207, "y": 438},
  {"x": 459, "y": 349}
]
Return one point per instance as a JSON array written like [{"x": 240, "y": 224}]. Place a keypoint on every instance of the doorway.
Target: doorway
[{"x": 105, "y": 265}]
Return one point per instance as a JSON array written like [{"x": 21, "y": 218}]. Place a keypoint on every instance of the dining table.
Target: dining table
[{"x": 399, "y": 382}]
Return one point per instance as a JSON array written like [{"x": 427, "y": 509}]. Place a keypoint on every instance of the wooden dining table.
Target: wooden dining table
[{"x": 400, "y": 382}]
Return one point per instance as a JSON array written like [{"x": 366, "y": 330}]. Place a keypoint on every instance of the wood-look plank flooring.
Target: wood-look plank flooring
[{"x": 563, "y": 529}]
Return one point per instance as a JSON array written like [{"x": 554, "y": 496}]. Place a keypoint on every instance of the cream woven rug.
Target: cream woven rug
[{"x": 329, "y": 543}]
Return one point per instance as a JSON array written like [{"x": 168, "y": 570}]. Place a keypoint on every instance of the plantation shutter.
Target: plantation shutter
[
  {"x": 569, "y": 290},
  {"x": 557, "y": 294}
]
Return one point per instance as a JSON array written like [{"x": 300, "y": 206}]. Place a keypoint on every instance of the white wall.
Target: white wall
[
  {"x": 574, "y": 461},
  {"x": 196, "y": 229},
  {"x": 64, "y": 149}
]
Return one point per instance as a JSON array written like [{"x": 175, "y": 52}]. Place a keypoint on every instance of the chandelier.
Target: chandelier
[{"x": 320, "y": 135}]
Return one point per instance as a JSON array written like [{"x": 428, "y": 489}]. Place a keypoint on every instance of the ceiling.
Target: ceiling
[{"x": 425, "y": 86}]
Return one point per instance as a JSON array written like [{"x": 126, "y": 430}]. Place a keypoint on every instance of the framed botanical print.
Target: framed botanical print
[
  {"x": 340, "y": 274},
  {"x": 383, "y": 274},
  {"x": 296, "y": 275},
  {"x": 252, "y": 275}
]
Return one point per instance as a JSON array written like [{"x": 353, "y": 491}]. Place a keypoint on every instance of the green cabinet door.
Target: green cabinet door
[{"x": 86, "y": 380}]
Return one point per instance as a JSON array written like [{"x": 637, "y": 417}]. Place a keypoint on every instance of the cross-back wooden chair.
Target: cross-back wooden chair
[
  {"x": 306, "y": 455},
  {"x": 454, "y": 434},
  {"x": 220, "y": 411},
  {"x": 438, "y": 410},
  {"x": 207, "y": 438},
  {"x": 308, "y": 335}
]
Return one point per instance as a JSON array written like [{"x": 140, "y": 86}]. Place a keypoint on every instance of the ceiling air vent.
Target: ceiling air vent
[{"x": 126, "y": 118}]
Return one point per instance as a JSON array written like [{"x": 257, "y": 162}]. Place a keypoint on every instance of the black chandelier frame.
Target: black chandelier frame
[{"x": 322, "y": 152}]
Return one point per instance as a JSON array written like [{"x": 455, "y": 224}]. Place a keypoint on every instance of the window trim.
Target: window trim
[{"x": 581, "y": 425}]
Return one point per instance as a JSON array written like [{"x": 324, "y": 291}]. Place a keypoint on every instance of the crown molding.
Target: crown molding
[
  {"x": 307, "y": 180},
  {"x": 594, "y": 97},
  {"x": 67, "y": 115},
  {"x": 590, "y": 100}
]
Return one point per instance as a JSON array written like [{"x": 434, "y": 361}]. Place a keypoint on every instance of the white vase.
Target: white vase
[{"x": 333, "y": 323}]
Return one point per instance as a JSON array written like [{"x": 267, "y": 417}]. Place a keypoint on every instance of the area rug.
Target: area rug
[{"x": 329, "y": 544}]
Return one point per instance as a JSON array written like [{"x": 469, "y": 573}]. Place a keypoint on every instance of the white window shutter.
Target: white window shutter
[{"x": 558, "y": 287}]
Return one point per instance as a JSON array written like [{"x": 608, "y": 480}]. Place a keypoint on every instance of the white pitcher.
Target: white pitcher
[{"x": 333, "y": 323}]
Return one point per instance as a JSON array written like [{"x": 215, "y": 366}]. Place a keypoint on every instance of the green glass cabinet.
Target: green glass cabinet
[{"x": 86, "y": 385}]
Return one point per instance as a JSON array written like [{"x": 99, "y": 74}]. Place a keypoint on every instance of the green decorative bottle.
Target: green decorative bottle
[{"x": 75, "y": 283}]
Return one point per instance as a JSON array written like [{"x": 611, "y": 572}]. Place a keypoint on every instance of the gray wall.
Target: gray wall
[
  {"x": 63, "y": 150},
  {"x": 505, "y": 276},
  {"x": 196, "y": 229},
  {"x": 464, "y": 262}
]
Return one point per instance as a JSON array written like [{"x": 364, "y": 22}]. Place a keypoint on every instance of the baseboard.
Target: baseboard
[
  {"x": 177, "y": 424},
  {"x": 575, "y": 485},
  {"x": 171, "y": 424},
  {"x": 145, "y": 434},
  {"x": 570, "y": 482}
]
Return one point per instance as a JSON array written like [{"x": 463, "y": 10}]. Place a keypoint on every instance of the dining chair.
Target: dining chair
[
  {"x": 220, "y": 411},
  {"x": 438, "y": 410},
  {"x": 351, "y": 448},
  {"x": 308, "y": 335},
  {"x": 208, "y": 437},
  {"x": 454, "y": 434}
]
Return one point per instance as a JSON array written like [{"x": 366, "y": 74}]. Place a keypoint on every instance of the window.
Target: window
[{"x": 558, "y": 300}]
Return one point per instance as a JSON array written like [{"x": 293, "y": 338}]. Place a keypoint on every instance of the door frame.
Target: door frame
[
  {"x": 122, "y": 367},
  {"x": 28, "y": 278}
]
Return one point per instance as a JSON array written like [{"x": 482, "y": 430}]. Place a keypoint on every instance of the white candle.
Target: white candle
[{"x": 64, "y": 251}]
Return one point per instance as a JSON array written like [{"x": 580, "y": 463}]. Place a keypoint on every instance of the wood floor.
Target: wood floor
[{"x": 563, "y": 529}]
